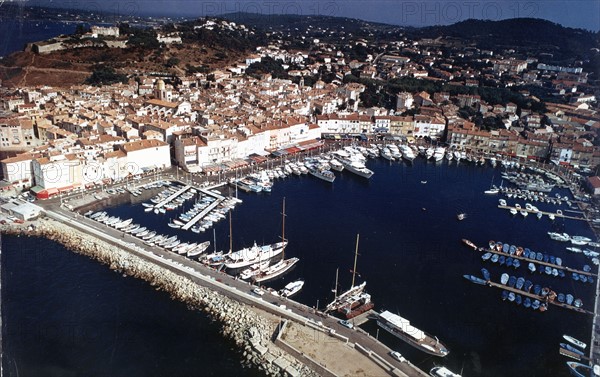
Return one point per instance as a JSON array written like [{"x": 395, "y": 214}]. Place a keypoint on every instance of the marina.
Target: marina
[{"x": 298, "y": 184}]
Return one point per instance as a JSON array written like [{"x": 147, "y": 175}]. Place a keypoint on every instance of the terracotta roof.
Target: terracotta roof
[{"x": 142, "y": 144}]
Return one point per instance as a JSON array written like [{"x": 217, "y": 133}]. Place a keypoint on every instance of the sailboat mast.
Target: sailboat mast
[
  {"x": 355, "y": 258},
  {"x": 230, "y": 236},
  {"x": 215, "y": 239},
  {"x": 283, "y": 230},
  {"x": 337, "y": 270}
]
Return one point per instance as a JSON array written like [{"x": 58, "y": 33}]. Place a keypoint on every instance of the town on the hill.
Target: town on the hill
[{"x": 290, "y": 95}]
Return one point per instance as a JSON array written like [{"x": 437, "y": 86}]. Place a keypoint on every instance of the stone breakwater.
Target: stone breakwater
[{"x": 249, "y": 330}]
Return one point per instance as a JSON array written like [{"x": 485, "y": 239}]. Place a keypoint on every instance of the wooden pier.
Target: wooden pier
[
  {"x": 544, "y": 213},
  {"x": 541, "y": 299},
  {"x": 572, "y": 354},
  {"x": 363, "y": 317},
  {"x": 542, "y": 263},
  {"x": 205, "y": 211},
  {"x": 173, "y": 196}
]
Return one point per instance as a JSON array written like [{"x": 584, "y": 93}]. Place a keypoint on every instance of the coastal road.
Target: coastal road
[{"x": 224, "y": 283}]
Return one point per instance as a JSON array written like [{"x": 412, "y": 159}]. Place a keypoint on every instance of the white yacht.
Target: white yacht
[
  {"x": 292, "y": 288},
  {"x": 251, "y": 255}
]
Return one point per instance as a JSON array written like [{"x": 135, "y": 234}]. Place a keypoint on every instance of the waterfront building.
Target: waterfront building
[
  {"x": 17, "y": 170},
  {"x": 58, "y": 173},
  {"x": 432, "y": 127},
  {"x": 146, "y": 155}
]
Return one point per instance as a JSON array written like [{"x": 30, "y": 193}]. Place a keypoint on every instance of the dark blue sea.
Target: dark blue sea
[
  {"x": 16, "y": 33},
  {"x": 410, "y": 253}
]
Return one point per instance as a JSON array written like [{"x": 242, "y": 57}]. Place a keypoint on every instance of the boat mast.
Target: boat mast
[
  {"x": 337, "y": 270},
  {"x": 230, "y": 237},
  {"x": 283, "y": 230},
  {"x": 215, "y": 239},
  {"x": 355, "y": 258}
]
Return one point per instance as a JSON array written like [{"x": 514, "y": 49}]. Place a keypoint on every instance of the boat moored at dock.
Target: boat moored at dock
[
  {"x": 402, "y": 329},
  {"x": 574, "y": 341},
  {"x": 442, "y": 372}
]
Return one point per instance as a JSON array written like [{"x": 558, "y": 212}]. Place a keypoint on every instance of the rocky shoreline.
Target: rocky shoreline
[{"x": 249, "y": 330}]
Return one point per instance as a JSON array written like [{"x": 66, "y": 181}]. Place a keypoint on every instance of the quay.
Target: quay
[
  {"x": 542, "y": 263},
  {"x": 364, "y": 317},
  {"x": 536, "y": 297},
  {"x": 173, "y": 196},
  {"x": 595, "y": 342},
  {"x": 543, "y": 213},
  {"x": 205, "y": 211}
]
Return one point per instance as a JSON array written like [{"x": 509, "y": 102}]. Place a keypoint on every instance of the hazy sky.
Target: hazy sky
[{"x": 573, "y": 13}]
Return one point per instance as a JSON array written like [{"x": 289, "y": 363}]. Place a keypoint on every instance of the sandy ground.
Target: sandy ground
[{"x": 337, "y": 356}]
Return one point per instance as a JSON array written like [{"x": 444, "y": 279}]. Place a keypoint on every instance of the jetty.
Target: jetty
[
  {"x": 537, "y": 297},
  {"x": 541, "y": 263},
  {"x": 561, "y": 215},
  {"x": 595, "y": 342},
  {"x": 205, "y": 211},
  {"x": 572, "y": 354},
  {"x": 172, "y": 197}
]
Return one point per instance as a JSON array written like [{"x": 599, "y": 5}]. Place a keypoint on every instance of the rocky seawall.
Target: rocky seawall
[{"x": 249, "y": 330}]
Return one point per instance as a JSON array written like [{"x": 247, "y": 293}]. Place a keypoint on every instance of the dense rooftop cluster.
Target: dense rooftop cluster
[{"x": 298, "y": 86}]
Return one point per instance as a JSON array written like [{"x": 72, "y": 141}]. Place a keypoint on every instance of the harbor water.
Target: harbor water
[{"x": 410, "y": 253}]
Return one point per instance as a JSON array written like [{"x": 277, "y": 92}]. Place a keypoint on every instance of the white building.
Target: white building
[
  {"x": 146, "y": 155},
  {"x": 18, "y": 171},
  {"x": 62, "y": 172},
  {"x": 429, "y": 126}
]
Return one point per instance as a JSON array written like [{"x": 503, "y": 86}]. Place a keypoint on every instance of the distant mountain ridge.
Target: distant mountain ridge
[
  {"x": 516, "y": 30},
  {"x": 539, "y": 35},
  {"x": 291, "y": 21}
]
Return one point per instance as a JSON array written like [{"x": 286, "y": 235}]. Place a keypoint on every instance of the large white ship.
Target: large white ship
[
  {"x": 255, "y": 254},
  {"x": 401, "y": 328},
  {"x": 357, "y": 167}
]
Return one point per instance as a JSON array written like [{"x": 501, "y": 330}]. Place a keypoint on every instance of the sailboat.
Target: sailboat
[
  {"x": 493, "y": 189},
  {"x": 354, "y": 301},
  {"x": 218, "y": 258},
  {"x": 250, "y": 255},
  {"x": 283, "y": 265}
]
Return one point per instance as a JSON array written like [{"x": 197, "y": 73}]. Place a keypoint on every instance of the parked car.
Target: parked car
[
  {"x": 398, "y": 356},
  {"x": 257, "y": 291},
  {"x": 346, "y": 324}
]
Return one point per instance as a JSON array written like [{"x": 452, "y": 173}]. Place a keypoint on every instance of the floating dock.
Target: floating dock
[
  {"x": 544, "y": 213},
  {"x": 536, "y": 297},
  {"x": 205, "y": 211},
  {"x": 542, "y": 263},
  {"x": 173, "y": 196},
  {"x": 572, "y": 354}
]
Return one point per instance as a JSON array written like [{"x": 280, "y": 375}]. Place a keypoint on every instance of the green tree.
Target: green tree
[
  {"x": 172, "y": 61},
  {"x": 104, "y": 75}
]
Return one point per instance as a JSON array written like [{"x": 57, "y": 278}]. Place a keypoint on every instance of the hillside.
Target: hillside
[
  {"x": 562, "y": 42},
  {"x": 202, "y": 49}
]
